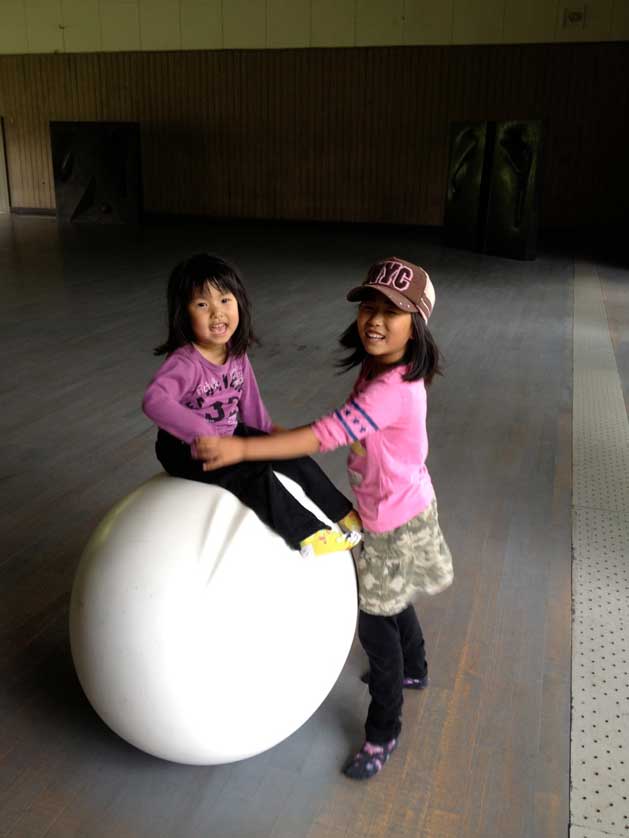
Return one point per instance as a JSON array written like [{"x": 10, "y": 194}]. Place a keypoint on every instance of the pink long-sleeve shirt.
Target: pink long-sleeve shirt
[
  {"x": 190, "y": 397},
  {"x": 384, "y": 422}
]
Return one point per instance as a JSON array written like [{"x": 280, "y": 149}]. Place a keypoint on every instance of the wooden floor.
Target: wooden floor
[{"x": 485, "y": 750}]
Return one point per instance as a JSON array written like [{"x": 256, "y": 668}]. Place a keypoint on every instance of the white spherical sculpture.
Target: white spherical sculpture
[{"x": 197, "y": 634}]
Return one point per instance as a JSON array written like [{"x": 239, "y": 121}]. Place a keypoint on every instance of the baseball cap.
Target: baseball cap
[{"x": 407, "y": 285}]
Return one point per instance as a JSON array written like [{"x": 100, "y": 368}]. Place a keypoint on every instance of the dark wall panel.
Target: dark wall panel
[{"x": 342, "y": 134}]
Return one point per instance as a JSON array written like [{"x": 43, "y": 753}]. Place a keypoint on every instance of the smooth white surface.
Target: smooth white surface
[{"x": 196, "y": 633}]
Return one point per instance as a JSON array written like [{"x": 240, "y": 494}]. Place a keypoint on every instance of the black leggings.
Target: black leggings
[
  {"x": 257, "y": 487},
  {"x": 395, "y": 648}
]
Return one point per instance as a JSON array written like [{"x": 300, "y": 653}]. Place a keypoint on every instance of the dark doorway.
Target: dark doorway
[{"x": 97, "y": 171}]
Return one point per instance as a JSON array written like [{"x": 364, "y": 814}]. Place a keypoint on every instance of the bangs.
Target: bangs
[
  {"x": 200, "y": 284},
  {"x": 220, "y": 284},
  {"x": 203, "y": 270}
]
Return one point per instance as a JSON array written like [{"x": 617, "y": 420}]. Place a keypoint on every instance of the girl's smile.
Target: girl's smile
[
  {"x": 384, "y": 329},
  {"x": 213, "y": 319}
]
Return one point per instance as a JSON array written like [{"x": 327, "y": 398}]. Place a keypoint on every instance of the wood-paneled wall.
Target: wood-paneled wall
[{"x": 331, "y": 134}]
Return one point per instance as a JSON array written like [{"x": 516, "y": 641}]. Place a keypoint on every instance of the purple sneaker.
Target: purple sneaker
[{"x": 369, "y": 761}]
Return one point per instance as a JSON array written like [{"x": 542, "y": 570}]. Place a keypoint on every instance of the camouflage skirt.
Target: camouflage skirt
[{"x": 393, "y": 567}]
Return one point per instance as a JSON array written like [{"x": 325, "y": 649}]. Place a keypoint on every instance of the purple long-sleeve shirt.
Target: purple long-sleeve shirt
[{"x": 190, "y": 397}]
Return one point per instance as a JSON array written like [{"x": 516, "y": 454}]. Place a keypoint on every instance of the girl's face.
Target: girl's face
[
  {"x": 214, "y": 319},
  {"x": 384, "y": 329}
]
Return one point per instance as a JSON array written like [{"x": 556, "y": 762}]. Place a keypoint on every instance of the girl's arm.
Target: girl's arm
[
  {"x": 378, "y": 406},
  {"x": 217, "y": 452},
  {"x": 171, "y": 384}
]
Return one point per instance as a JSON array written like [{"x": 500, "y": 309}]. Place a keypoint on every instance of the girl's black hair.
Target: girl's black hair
[
  {"x": 191, "y": 276},
  {"x": 422, "y": 353}
]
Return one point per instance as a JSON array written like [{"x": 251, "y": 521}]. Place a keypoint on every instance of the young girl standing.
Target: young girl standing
[
  {"x": 384, "y": 423},
  {"x": 206, "y": 387}
]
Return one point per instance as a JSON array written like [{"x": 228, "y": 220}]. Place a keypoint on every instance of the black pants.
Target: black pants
[
  {"x": 257, "y": 487},
  {"x": 395, "y": 648}
]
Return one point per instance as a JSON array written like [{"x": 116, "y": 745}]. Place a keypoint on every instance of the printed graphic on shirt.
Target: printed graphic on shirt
[
  {"x": 208, "y": 399},
  {"x": 355, "y": 421}
]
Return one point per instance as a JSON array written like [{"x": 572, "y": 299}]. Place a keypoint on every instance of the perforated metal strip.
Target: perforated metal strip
[{"x": 599, "y": 803}]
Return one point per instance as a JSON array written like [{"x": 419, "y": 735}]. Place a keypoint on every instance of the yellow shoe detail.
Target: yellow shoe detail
[
  {"x": 351, "y": 522},
  {"x": 328, "y": 541}
]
